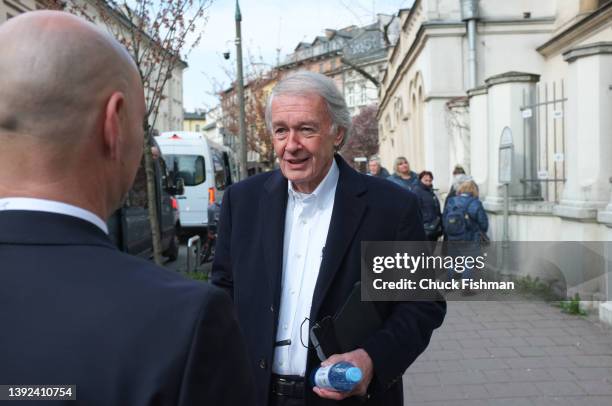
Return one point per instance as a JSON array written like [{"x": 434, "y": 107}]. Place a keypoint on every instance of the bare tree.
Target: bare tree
[
  {"x": 157, "y": 34},
  {"x": 363, "y": 141},
  {"x": 259, "y": 84}
]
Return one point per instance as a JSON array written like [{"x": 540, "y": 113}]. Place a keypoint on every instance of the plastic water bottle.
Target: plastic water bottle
[{"x": 340, "y": 377}]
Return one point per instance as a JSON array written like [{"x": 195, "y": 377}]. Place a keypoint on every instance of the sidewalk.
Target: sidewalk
[{"x": 491, "y": 353}]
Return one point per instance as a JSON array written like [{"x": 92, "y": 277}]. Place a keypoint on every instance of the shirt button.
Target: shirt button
[
  {"x": 263, "y": 364},
  {"x": 272, "y": 309},
  {"x": 293, "y": 292},
  {"x": 285, "y": 326}
]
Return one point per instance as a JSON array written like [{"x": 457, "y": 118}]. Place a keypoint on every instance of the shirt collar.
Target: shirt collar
[
  {"x": 324, "y": 192},
  {"x": 52, "y": 206}
]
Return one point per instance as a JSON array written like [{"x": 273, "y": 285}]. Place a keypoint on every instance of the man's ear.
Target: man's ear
[
  {"x": 339, "y": 137},
  {"x": 113, "y": 116}
]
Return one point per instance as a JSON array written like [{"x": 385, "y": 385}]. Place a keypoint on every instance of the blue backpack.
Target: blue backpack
[{"x": 457, "y": 221}]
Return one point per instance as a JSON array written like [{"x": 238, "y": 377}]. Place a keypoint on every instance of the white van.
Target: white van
[{"x": 207, "y": 168}]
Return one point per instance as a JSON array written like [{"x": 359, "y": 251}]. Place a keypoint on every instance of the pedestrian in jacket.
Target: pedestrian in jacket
[
  {"x": 465, "y": 221},
  {"x": 403, "y": 175},
  {"x": 430, "y": 206},
  {"x": 376, "y": 169}
]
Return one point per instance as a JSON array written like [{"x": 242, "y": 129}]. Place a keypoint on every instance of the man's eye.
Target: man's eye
[
  {"x": 280, "y": 131},
  {"x": 307, "y": 130}
]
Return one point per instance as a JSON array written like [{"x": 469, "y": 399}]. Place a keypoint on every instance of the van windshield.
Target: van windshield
[{"x": 189, "y": 167}]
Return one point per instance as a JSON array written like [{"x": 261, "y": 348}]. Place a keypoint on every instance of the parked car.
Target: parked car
[
  {"x": 206, "y": 168},
  {"x": 129, "y": 227}
]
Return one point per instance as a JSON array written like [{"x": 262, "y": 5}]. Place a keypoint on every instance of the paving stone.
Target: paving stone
[
  {"x": 562, "y": 350},
  {"x": 559, "y": 388},
  {"x": 511, "y": 389},
  {"x": 590, "y": 373},
  {"x": 539, "y": 341},
  {"x": 503, "y": 352},
  {"x": 592, "y": 360},
  {"x": 510, "y": 342},
  {"x": 462, "y": 378},
  {"x": 499, "y": 333},
  {"x": 597, "y": 387},
  {"x": 531, "y": 351}
]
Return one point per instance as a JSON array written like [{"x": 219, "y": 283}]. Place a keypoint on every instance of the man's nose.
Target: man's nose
[{"x": 293, "y": 141}]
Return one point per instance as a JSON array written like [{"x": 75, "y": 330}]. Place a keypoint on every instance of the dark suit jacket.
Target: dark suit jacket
[
  {"x": 75, "y": 310},
  {"x": 248, "y": 263}
]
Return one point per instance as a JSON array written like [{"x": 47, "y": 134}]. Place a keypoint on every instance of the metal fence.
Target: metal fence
[{"x": 543, "y": 112}]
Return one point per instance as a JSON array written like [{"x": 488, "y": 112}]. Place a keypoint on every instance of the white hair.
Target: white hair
[{"x": 305, "y": 82}]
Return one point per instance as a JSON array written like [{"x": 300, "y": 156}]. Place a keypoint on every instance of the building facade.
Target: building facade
[
  {"x": 194, "y": 121},
  {"x": 354, "y": 57},
  {"x": 539, "y": 72}
]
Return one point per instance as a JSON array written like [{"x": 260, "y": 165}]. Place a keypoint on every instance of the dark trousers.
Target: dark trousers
[{"x": 279, "y": 400}]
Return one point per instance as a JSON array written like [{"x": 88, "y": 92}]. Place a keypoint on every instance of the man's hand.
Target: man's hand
[{"x": 360, "y": 359}]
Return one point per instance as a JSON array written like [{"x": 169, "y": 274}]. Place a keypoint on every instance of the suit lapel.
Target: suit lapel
[
  {"x": 349, "y": 208},
  {"x": 272, "y": 210}
]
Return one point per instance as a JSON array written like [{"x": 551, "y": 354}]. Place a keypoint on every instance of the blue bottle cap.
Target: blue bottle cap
[{"x": 353, "y": 374}]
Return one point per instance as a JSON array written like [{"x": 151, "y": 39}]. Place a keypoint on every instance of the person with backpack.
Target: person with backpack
[
  {"x": 430, "y": 206},
  {"x": 465, "y": 220}
]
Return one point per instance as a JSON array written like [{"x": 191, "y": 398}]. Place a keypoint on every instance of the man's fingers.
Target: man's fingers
[
  {"x": 330, "y": 394},
  {"x": 332, "y": 360}
]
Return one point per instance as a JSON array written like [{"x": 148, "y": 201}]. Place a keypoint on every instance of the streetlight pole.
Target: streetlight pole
[{"x": 240, "y": 83}]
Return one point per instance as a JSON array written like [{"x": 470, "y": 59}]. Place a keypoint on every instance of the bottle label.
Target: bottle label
[{"x": 322, "y": 377}]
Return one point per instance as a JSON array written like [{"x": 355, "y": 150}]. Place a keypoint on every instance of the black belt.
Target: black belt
[{"x": 288, "y": 385}]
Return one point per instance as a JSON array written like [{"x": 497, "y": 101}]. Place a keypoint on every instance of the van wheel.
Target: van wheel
[{"x": 173, "y": 250}]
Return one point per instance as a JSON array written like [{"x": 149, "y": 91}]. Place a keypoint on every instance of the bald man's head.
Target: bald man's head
[
  {"x": 71, "y": 111},
  {"x": 56, "y": 69}
]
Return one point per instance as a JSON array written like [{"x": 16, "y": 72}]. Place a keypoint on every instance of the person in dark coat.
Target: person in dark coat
[
  {"x": 430, "y": 206},
  {"x": 376, "y": 169},
  {"x": 74, "y": 310},
  {"x": 403, "y": 175},
  {"x": 289, "y": 253}
]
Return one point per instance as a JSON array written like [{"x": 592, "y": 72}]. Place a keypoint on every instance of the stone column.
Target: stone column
[
  {"x": 479, "y": 142},
  {"x": 505, "y": 97},
  {"x": 589, "y": 138}
]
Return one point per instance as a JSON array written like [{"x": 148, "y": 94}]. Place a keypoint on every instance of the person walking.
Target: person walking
[
  {"x": 430, "y": 206},
  {"x": 403, "y": 175},
  {"x": 465, "y": 221}
]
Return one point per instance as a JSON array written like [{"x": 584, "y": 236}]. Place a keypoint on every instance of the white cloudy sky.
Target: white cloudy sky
[{"x": 266, "y": 26}]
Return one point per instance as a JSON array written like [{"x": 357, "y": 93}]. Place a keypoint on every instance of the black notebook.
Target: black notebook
[{"x": 348, "y": 329}]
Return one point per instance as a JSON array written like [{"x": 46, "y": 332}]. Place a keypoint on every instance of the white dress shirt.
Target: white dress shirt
[
  {"x": 306, "y": 226},
  {"x": 52, "y": 206}
]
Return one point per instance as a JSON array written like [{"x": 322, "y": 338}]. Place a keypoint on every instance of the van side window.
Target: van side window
[
  {"x": 137, "y": 197},
  {"x": 191, "y": 168},
  {"x": 219, "y": 168}
]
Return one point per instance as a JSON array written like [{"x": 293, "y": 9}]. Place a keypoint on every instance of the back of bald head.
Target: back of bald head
[{"x": 57, "y": 70}]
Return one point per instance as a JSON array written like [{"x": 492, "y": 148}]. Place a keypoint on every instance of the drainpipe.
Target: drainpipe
[{"x": 469, "y": 13}]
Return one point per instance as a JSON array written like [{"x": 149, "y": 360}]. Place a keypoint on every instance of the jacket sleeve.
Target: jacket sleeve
[
  {"x": 408, "y": 328},
  {"x": 217, "y": 371},
  {"x": 483, "y": 220},
  {"x": 221, "y": 273}
]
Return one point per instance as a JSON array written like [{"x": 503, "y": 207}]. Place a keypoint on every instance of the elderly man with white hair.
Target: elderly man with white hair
[{"x": 289, "y": 254}]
